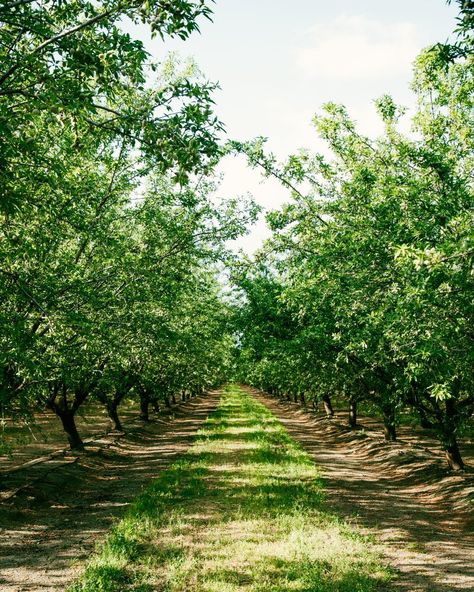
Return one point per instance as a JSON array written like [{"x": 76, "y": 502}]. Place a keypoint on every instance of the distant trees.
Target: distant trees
[{"x": 365, "y": 289}]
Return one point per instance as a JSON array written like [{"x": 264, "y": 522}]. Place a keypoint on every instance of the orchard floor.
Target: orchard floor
[
  {"x": 63, "y": 506},
  {"x": 399, "y": 493}
]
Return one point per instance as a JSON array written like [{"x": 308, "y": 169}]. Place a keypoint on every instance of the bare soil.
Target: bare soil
[
  {"x": 56, "y": 506},
  {"x": 30, "y": 440},
  {"x": 401, "y": 493}
]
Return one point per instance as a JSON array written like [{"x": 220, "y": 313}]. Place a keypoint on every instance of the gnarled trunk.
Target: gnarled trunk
[
  {"x": 69, "y": 425},
  {"x": 327, "y": 406},
  {"x": 66, "y": 411},
  {"x": 389, "y": 423},
  {"x": 448, "y": 437},
  {"x": 144, "y": 405},
  {"x": 453, "y": 456},
  {"x": 112, "y": 411}
]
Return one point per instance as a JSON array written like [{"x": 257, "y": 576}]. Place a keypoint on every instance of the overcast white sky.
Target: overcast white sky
[{"x": 277, "y": 62}]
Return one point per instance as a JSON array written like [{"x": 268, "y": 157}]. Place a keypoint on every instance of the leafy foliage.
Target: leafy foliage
[
  {"x": 365, "y": 289},
  {"x": 110, "y": 242}
]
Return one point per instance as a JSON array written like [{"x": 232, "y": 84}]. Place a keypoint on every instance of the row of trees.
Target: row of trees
[
  {"x": 366, "y": 289},
  {"x": 110, "y": 243},
  {"x": 111, "y": 238}
]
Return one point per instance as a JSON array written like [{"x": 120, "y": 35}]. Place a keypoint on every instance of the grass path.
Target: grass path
[{"x": 243, "y": 510}]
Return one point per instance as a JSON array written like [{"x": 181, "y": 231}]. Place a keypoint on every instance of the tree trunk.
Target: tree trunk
[
  {"x": 453, "y": 456},
  {"x": 389, "y": 425},
  {"x": 302, "y": 399},
  {"x": 424, "y": 421},
  {"x": 173, "y": 397},
  {"x": 144, "y": 405},
  {"x": 327, "y": 405},
  {"x": 69, "y": 426},
  {"x": 112, "y": 410},
  {"x": 352, "y": 413},
  {"x": 295, "y": 398},
  {"x": 183, "y": 396}
]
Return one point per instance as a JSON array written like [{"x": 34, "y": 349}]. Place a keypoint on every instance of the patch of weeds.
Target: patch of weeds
[
  {"x": 122, "y": 544},
  {"x": 103, "y": 578}
]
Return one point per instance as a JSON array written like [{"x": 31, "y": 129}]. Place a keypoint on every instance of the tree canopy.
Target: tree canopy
[
  {"x": 365, "y": 288},
  {"x": 113, "y": 243}
]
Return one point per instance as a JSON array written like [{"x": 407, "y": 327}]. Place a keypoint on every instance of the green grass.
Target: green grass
[{"x": 243, "y": 510}]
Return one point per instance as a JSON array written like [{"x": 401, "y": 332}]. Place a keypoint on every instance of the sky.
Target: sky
[{"x": 277, "y": 62}]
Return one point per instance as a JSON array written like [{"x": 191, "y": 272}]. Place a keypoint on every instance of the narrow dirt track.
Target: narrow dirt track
[
  {"x": 410, "y": 507},
  {"x": 53, "y": 524}
]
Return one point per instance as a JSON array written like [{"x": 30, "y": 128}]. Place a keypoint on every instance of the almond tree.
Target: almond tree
[{"x": 374, "y": 259}]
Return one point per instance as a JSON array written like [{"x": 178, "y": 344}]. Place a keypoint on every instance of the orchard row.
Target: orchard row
[
  {"x": 365, "y": 291},
  {"x": 110, "y": 245}
]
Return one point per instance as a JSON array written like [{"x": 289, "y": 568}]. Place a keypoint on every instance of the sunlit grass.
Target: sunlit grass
[{"x": 243, "y": 510}]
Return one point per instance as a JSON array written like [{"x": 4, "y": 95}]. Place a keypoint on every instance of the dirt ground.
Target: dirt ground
[
  {"x": 31, "y": 440},
  {"x": 401, "y": 493},
  {"x": 53, "y": 512}
]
